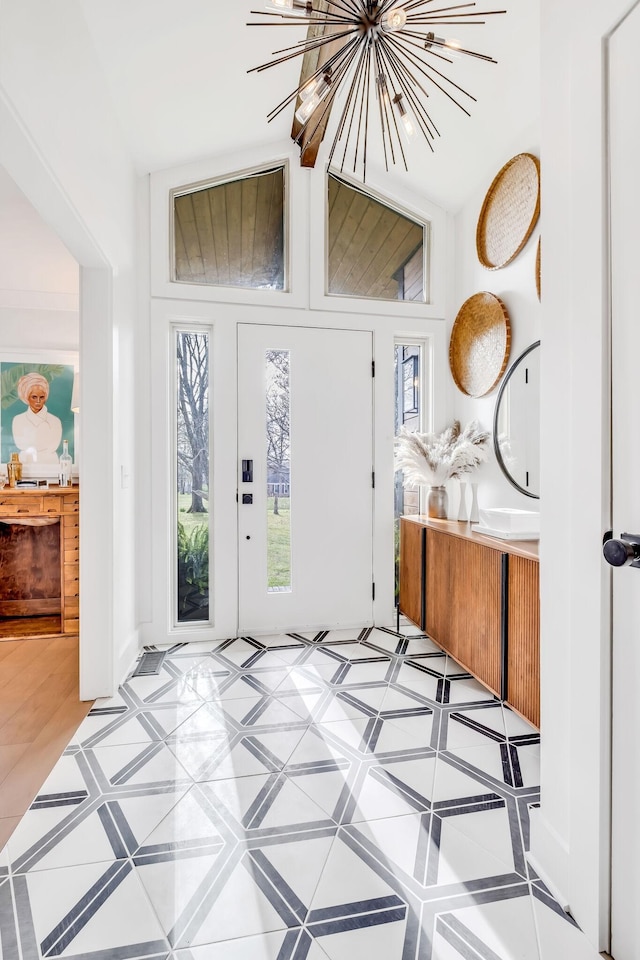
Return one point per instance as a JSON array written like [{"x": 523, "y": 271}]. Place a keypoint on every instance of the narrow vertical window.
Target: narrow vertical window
[
  {"x": 278, "y": 420},
  {"x": 192, "y": 473},
  {"x": 408, "y": 406}
]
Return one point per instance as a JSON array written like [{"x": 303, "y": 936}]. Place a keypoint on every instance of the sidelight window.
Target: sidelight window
[{"x": 192, "y": 476}]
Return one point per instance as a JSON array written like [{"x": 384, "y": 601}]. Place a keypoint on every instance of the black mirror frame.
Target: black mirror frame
[{"x": 496, "y": 448}]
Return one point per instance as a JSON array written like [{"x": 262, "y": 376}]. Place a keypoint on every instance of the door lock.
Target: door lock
[
  {"x": 623, "y": 552},
  {"x": 247, "y": 471}
]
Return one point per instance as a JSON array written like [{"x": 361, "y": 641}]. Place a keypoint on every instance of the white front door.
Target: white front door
[
  {"x": 305, "y": 448},
  {"x": 625, "y": 238}
]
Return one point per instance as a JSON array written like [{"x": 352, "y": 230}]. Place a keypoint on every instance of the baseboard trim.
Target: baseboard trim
[
  {"x": 127, "y": 657},
  {"x": 549, "y": 857}
]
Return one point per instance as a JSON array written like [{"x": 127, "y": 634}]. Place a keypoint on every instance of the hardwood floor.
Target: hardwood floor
[{"x": 39, "y": 712}]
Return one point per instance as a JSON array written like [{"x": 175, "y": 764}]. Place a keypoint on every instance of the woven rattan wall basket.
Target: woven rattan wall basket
[
  {"x": 480, "y": 344},
  {"x": 509, "y": 213}
]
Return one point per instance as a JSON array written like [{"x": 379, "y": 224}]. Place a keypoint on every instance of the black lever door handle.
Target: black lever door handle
[{"x": 623, "y": 552}]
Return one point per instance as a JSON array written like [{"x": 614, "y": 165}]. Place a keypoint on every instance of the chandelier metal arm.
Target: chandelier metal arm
[
  {"x": 313, "y": 44},
  {"x": 386, "y": 49},
  {"x": 420, "y": 66},
  {"x": 352, "y": 99},
  {"x": 422, "y": 115},
  {"x": 430, "y": 39},
  {"x": 431, "y": 13},
  {"x": 299, "y": 53},
  {"x": 348, "y": 54},
  {"x": 327, "y": 65}
]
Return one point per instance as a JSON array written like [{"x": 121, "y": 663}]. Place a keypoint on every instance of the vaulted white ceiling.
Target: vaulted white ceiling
[{"x": 177, "y": 72}]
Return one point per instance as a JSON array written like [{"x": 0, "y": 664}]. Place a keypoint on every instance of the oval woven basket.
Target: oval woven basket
[
  {"x": 509, "y": 213},
  {"x": 480, "y": 344}
]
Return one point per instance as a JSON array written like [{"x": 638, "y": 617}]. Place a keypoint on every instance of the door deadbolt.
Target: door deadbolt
[{"x": 623, "y": 552}]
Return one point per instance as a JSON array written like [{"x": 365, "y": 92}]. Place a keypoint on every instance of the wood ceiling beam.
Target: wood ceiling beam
[{"x": 312, "y": 61}]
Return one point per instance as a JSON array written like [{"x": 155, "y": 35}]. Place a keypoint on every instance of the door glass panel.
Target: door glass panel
[
  {"x": 192, "y": 474},
  {"x": 408, "y": 414},
  {"x": 278, "y": 407}
]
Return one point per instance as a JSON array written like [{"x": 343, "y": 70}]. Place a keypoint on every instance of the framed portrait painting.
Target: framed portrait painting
[{"x": 36, "y": 413}]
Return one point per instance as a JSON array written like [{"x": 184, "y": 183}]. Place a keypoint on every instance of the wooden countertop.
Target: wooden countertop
[
  {"x": 520, "y": 548},
  {"x": 53, "y": 488}
]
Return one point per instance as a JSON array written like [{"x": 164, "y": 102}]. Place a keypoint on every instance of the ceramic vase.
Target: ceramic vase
[
  {"x": 437, "y": 503},
  {"x": 474, "y": 515},
  {"x": 462, "y": 509}
]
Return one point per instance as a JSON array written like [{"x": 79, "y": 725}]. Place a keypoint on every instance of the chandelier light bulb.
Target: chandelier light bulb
[
  {"x": 394, "y": 20},
  {"x": 312, "y": 102},
  {"x": 383, "y": 90},
  {"x": 313, "y": 85},
  {"x": 405, "y": 119},
  {"x": 279, "y": 5}
]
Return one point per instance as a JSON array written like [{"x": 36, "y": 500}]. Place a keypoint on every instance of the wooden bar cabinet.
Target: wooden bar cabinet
[
  {"x": 477, "y": 597},
  {"x": 39, "y": 561}
]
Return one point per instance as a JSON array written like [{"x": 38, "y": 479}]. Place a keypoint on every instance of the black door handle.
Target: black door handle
[{"x": 623, "y": 552}]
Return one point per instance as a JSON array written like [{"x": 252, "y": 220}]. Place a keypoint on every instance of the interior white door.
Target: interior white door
[
  {"x": 311, "y": 565},
  {"x": 625, "y": 217}
]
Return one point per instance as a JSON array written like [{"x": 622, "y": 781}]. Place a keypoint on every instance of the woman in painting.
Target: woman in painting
[{"x": 36, "y": 432}]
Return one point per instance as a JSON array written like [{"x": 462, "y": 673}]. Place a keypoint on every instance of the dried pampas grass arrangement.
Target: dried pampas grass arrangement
[{"x": 434, "y": 458}]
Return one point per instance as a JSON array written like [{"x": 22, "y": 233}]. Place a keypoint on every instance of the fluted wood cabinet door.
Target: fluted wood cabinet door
[
  {"x": 463, "y": 602},
  {"x": 411, "y": 571},
  {"x": 438, "y": 584},
  {"x": 523, "y": 669}
]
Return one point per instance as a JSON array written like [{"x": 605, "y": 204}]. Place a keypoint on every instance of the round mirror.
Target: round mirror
[{"x": 516, "y": 423}]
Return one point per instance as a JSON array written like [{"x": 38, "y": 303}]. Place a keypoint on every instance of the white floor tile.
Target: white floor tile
[
  {"x": 560, "y": 938},
  {"x": 277, "y": 796}
]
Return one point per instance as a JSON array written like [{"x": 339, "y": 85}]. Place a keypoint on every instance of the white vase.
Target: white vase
[
  {"x": 474, "y": 515},
  {"x": 462, "y": 509}
]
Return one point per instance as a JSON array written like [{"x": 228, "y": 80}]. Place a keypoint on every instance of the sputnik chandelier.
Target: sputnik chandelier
[{"x": 384, "y": 53}]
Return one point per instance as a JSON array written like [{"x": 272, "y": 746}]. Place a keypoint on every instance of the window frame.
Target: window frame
[
  {"x": 193, "y": 626},
  {"x": 401, "y": 212},
  {"x": 201, "y": 186},
  {"x": 165, "y": 184},
  {"x": 438, "y": 240}
]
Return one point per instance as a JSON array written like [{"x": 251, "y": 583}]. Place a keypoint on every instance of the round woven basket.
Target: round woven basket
[
  {"x": 509, "y": 213},
  {"x": 480, "y": 344}
]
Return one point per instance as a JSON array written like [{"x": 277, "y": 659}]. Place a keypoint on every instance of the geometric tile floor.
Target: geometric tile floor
[{"x": 350, "y": 795}]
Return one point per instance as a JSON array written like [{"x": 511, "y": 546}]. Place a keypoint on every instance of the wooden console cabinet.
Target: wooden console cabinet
[
  {"x": 39, "y": 555},
  {"x": 478, "y": 598}
]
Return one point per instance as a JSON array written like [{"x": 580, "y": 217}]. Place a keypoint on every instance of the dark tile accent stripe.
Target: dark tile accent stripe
[
  {"x": 464, "y": 940},
  {"x": 8, "y": 937},
  {"x": 107, "y": 711},
  {"x": 355, "y": 908},
  {"x": 468, "y": 721},
  {"x": 277, "y": 891},
  {"x": 80, "y": 915},
  {"x": 358, "y": 922},
  {"x": 47, "y": 800}
]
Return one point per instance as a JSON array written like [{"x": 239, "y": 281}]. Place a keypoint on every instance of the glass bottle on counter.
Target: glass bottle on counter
[
  {"x": 14, "y": 469},
  {"x": 64, "y": 477}
]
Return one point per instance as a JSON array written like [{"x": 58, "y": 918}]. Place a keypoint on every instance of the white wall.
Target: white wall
[
  {"x": 39, "y": 279},
  {"x": 60, "y": 142},
  {"x": 516, "y": 287}
]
